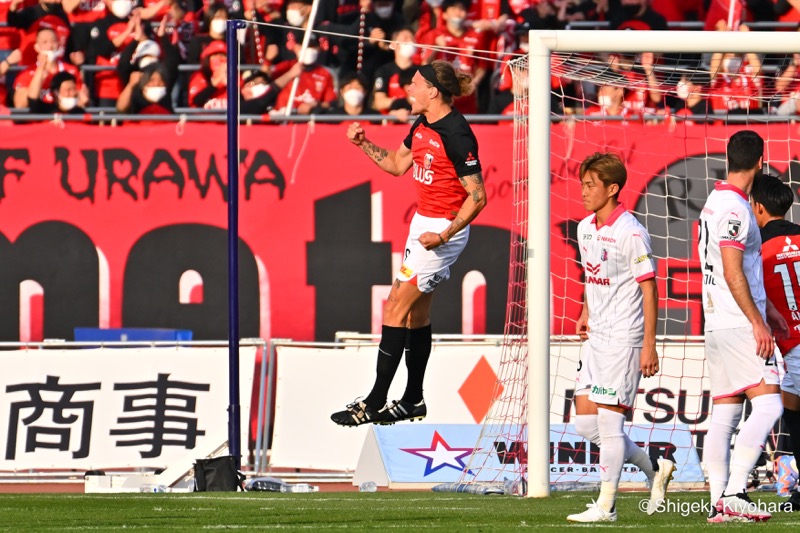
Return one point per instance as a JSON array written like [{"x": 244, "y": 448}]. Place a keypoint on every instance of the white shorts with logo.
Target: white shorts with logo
[
  {"x": 610, "y": 372},
  {"x": 428, "y": 268},
  {"x": 791, "y": 380},
  {"x": 733, "y": 366}
]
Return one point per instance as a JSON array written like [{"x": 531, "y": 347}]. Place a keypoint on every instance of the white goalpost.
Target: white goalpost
[{"x": 540, "y": 350}]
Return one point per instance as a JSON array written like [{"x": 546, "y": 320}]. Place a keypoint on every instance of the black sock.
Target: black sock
[
  {"x": 390, "y": 351},
  {"x": 419, "y": 350},
  {"x": 792, "y": 420}
]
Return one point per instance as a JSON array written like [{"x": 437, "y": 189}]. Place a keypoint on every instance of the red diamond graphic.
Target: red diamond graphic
[{"x": 477, "y": 389}]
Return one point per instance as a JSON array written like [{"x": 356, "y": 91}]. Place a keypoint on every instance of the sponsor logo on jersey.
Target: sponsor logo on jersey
[
  {"x": 603, "y": 391},
  {"x": 603, "y": 238},
  {"x": 604, "y": 255},
  {"x": 418, "y": 135},
  {"x": 471, "y": 161},
  {"x": 734, "y": 226},
  {"x": 434, "y": 143},
  {"x": 428, "y": 160},
  {"x": 587, "y": 236},
  {"x": 789, "y": 251},
  {"x": 434, "y": 281},
  {"x": 423, "y": 176},
  {"x": 642, "y": 258},
  {"x": 593, "y": 269},
  {"x": 591, "y": 280},
  {"x": 407, "y": 272}
]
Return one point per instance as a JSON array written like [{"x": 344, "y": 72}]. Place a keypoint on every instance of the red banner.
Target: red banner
[{"x": 116, "y": 227}]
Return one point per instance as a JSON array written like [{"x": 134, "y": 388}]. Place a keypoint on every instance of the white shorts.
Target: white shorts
[
  {"x": 428, "y": 268},
  {"x": 733, "y": 366},
  {"x": 791, "y": 380},
  {"x": 611, "y": 373}
]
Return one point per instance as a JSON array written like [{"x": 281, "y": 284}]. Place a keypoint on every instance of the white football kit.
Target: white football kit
[
  {"x": 727, "y": 220},
  {"x": 616, "y": 257}
]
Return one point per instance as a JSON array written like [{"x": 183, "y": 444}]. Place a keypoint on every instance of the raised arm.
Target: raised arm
[
  {"x": 474, "y": 203},
  {"x": 395, "y": 162}
]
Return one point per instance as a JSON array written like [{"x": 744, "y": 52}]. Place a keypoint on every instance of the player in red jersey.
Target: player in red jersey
[
  {"x": 443, "y": 151},
  {"x": 780, "y": 250}
]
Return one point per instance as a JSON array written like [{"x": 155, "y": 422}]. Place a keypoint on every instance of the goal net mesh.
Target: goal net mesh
[{"x": 669, "y": 116}]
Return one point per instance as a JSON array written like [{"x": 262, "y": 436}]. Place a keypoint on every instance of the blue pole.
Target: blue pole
[{"x": 234, "y": 414}]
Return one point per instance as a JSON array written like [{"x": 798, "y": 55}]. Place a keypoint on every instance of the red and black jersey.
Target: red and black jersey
[
  {"x": 780, "y": 251},
  {"x": 442, "y": 152}
]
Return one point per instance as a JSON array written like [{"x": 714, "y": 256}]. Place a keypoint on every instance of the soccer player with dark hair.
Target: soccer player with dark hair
[
  {"x": 443, "y": 151},
  {"x": 739, "y": 346},
  {"x": 780, "y": 251},
  {"x": 618, "y": 321}
]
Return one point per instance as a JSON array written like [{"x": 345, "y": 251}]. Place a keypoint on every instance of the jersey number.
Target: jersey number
[{"x": 788, "y": 286}]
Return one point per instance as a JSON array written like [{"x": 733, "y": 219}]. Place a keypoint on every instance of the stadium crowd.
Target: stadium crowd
[{"x": 64, "y": 56}]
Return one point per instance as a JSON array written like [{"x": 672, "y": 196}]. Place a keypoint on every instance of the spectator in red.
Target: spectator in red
[
  {"x": 689, "y": 99},
  {"x": 64, "y": 90},
  {"x": 460, "y": 44},
  {"x": 787, "y": 87},
  {"x": 431, "y": 17},
  {"x": 787, "y": 10},
  {"x": 25, "y": 20},
  {"x": 610, "y": 102},
  {"x": 109, "y": 37},
  {"x": 215, "y": 22},
  {"x": 643, "y": 94},
  {"x": 634, "y": 15},
  {"x": 736, "y": 86},
  {"x": 147, "y": 92},
  {"x": 680, "y": 10},
  {"x": 353, "y": 91},
  {"x": 260, "y": 92},
  {"x": 46, "y": 45},
  {"x": 387, "y": 87},
  {"x": 10, "y": 37},
  {"x": 208, "y": 86},
  {"x": 315, "y": 89}
]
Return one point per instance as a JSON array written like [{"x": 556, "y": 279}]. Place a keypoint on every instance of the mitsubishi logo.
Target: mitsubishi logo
[{"x": 790, "y": 247}]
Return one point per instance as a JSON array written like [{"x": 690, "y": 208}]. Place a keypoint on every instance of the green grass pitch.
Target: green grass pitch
[{"x": 351, "y": 511}]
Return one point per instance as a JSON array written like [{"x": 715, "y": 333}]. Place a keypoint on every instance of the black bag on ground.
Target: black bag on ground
[{"x": 218, "y": 474}]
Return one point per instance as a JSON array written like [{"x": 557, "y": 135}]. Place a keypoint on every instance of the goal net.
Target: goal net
[{"x": 667, "y": 102}]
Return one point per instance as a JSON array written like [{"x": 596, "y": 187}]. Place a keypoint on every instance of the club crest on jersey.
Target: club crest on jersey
[
  {"x": 734, "y": 226},
  {"x": 428, "y": 161},
  {"x": 604, "y": 255}
]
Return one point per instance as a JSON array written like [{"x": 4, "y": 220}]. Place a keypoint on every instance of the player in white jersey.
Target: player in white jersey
[
  {"x": 619, "y": 316},
  {"x": 739, "y": 344}
]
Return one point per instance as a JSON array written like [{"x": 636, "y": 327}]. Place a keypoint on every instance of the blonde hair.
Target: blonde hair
[{"x": 457, "y": 82}]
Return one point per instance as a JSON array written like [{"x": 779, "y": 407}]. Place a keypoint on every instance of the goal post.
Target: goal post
[{"x": 541, "y": 46}]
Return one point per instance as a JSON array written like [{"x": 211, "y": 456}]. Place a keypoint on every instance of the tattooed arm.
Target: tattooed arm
[
  {"x": 475, "y": 202},
  {"x": 395, "y": 162}
]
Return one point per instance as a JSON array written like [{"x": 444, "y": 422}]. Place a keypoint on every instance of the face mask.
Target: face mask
[
  {"x": 147, "y": 60},
  {"x": 353, "y": 97},
  {"x": 524, "y": 46},
  {"x": 456, "y": 22},
  {"x": 218, "y": 26},
  {"x": 52, "y": 55},
  {"x": 434, "y": 3},
  {"x": 259, "y": 90},
  {"x": 604, "y": 100},
  {"x": 294, "y": 17},
  {"x": 407, "y": 50},
  {"x": 154, "y": 94},
  {"x": 384, "y": 12},
  {"x": 121, "y": 8},
  {"x": 310, "y": 56},
  {"x": 682, "y": 90},
  {"x": 732, "y": 64},
  {"x": 67, "y": 103}
]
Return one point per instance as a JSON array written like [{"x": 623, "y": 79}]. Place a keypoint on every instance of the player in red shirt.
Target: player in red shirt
[
  {"x": 780, "y": 250},
  {"x": 461, "y": 44},
  {"x": 443, "y": 151},
  {"x": 208, "y": 87}
]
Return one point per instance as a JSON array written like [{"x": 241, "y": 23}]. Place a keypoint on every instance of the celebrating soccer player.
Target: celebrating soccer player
[
  {"x": 444, "y": 154},
  {"x": 739, "y": 346},
  {"x": 780, "y": 252},
  {"x": 620, "y": 311}
]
